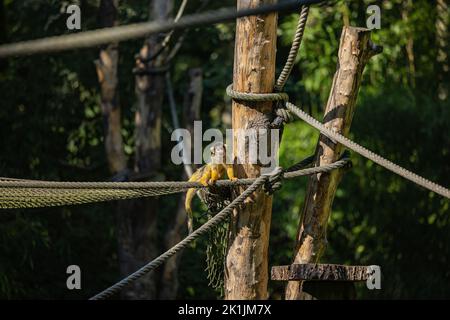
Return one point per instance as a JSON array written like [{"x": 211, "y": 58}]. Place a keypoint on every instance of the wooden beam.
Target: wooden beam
[
  {"x": 320, "y": 272},
  {"x": 246, "y": 270},
  {"x": 355, "y": 50}
]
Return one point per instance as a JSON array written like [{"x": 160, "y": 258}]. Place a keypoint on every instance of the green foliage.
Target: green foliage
[
  {"x": 379, "y": 218},
  {"x": 52, "y": 129}
]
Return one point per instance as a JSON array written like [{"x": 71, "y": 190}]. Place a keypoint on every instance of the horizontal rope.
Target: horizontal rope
[
  {"x": 256, "y": 97},
  {"x": 138, "y": 30},
  {"x": 16, "y": 193},
  {"x": 217, "y": 219},
  {"x": 411, "y": 176},
  {"x": 283, "y": 115}
]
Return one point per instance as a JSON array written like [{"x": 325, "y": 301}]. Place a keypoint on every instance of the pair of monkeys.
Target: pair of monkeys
[{"x": 207, "y": 175}]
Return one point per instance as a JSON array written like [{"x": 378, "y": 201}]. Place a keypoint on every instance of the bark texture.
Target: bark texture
[
  {"x": 246, "y": 271},
  {"x": 322, "y": 272},
  {"x": 106, "y": 67},
  {"x": 442, "y": 48},
  {"x": 138, "y": 219},
  {"x": 354, "y": 52}
]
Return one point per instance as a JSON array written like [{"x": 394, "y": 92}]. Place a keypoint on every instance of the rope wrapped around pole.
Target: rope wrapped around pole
[{"x": 286, "y": 114}]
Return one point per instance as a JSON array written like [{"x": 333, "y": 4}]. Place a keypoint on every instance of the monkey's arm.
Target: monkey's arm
[{"x": 230, "y": 172}]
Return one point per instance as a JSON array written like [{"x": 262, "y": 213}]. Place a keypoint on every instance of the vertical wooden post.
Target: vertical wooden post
[
  {"x": 246, "y": 270},
  {"x": 354, "y": 52}
]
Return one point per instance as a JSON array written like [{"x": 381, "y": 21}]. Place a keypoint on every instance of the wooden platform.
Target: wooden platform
[{"x": 320, "y": 272}]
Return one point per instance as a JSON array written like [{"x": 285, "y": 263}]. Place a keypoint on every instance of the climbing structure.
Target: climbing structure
[{"x": 17, "y": 193}]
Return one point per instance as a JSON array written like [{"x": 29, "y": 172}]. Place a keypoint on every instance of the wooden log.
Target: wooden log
[
  {"x": 320, "y": 272},
  {"x": 246, "y": 270},
  {"x": 355, "y": 50}
]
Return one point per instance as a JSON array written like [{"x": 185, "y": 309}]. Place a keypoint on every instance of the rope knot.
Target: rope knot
[
  {"x": 282, "y": 115},
  {"x": 285, "y": 114},
  {"x": 274, "y": 182},
  {"x": 256, "y": 97}
]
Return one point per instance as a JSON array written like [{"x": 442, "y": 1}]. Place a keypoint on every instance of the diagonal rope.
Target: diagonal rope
[
  {"x": 291, "y": 108},
  {"x": 296, "y": 42},
  {"x": 168, "y": 36},
  {"x": 395, "y": 168},
  {"x": 139, "y": 30},
  {"x": 173, "y": 52},
  {"x": 217, "y": 219},
  {"x": 205, "y": 228}
]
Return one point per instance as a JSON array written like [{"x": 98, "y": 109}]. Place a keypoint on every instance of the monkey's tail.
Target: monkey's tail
[{"x": 189, "y": 196}]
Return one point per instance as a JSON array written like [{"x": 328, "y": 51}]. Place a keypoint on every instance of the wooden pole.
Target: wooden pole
[
  {"x": 354, "y": 52},
  {"x": 246, "y": 270}
]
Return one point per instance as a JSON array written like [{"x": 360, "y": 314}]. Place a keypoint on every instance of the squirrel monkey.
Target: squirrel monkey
[{"x": 208, "y": 175}]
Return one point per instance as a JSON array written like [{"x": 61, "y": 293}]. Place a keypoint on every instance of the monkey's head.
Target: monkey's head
[{"x": 219, "y": 153}]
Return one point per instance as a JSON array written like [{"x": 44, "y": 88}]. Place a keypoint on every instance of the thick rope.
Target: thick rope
[
  {"x": 139, "y": 30},
  {"x": 214, "y": 222},
  {"x": 257, "y": 97},
  {"x": 173, "y": 52},
  {"x": 205, "y": 228},
  {"x": 291, "y": 108},
  {"x": 168, "y": 36},
  {"x": 284, "y": 75},
  {"x": 411, "y": 176},
  {"x": 16, "y": 193}
]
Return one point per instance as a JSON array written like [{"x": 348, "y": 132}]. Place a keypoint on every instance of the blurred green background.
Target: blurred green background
[{"x": 51, "y": 128}]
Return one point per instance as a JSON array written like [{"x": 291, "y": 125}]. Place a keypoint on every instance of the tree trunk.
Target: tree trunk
[
  {"x": 191, "y": 112},
  {"x": 442, "y": 48},
  {"x": 138, "y": 221},
  {"x": 106, "y": 67},
  {"x": 193, "y": 99},
  {"x": 3, "y": 34},
  {"x": 409, "y": 47},
  {"x": 246, "y": 270},
  {"x": 354, "y": 52}
]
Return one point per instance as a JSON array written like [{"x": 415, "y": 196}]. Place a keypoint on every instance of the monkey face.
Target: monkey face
[{"x": 218, "y": 153}]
